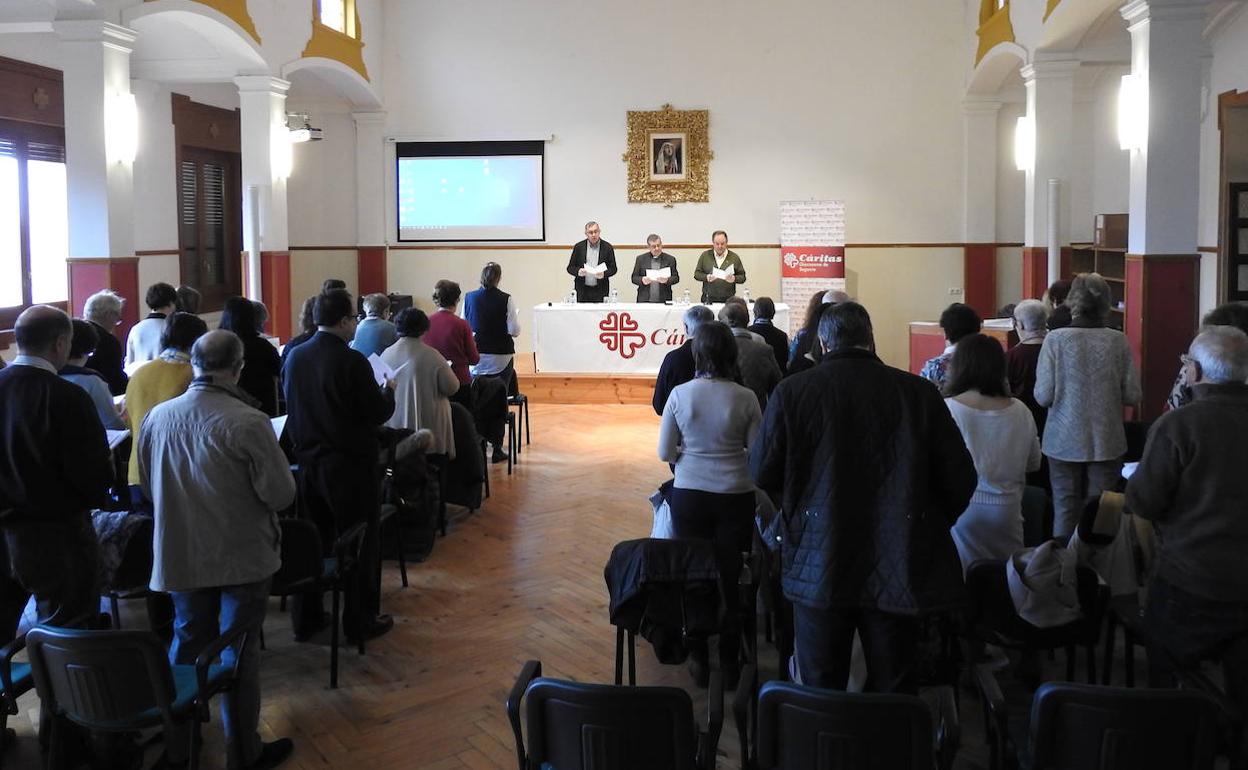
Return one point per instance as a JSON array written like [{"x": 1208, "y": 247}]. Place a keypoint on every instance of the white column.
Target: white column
[
  {"x": 266, "y": 152},
  {"x": 1050, "y": 88},
  {"x": 100, "y": 137},
  {"x": 979, "y": 184},
  {"x": 370, "y": 178},
  {"x": 1167, "y": 54}
]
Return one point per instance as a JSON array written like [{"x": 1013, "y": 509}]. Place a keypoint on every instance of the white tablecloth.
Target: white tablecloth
[{"x": 625, "y": 338}]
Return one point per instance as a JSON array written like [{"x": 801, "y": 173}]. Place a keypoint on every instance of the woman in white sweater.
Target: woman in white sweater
[
  {"x": 424, "y": 383},
  {"x": 1086, "y": 377},
  {"x": 1000, "y": 434},
  {"x": 707, "y": 425}
]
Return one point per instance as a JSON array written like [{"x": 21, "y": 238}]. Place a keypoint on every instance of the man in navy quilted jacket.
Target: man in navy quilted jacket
[{"x": 870, "y": 472}]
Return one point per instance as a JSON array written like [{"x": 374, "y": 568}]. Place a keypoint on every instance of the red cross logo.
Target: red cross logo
[{"x": 620, "y": 335}]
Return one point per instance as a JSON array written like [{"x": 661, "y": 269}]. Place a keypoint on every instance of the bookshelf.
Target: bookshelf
[{"x": 1107, "y": 255}]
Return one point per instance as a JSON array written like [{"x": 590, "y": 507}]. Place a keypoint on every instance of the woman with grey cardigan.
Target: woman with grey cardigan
[{"x": 1086, "y": 377}]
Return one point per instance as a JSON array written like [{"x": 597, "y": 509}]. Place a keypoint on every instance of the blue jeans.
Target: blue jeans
[{"x": 201, "y": 616}]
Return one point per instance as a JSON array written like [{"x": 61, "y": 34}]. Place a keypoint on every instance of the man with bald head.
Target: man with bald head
[
  {"x": 54, "y": 468},
  {"x": 212, "y": 467}
]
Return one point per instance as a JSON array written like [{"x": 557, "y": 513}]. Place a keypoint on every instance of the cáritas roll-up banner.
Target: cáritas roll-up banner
[{"x": 812, "y": 253}]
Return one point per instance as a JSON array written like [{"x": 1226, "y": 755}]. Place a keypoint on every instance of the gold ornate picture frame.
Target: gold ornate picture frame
[{"x": 668, "y": 156}]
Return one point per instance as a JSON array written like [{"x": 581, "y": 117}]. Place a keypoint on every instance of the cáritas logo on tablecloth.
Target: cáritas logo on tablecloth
[
  {"x": 622, "y": 335},
  {"x": 813, "y": 262}
]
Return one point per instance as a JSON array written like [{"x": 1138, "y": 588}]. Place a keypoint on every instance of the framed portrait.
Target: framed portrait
[{"x": 668, "y": 156}]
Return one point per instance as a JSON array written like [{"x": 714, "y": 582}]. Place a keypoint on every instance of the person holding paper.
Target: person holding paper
[
  {"x": 334, "y": 407},
  {"x": 655, "y": 273},
  {"x": 719, "y": 270},
  {"x": 591, "y": 265}
]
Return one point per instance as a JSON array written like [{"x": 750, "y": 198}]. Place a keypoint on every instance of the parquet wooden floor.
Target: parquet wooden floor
[{"x": 519, "y": 579}]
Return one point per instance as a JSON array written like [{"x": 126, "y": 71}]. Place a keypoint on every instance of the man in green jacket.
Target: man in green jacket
[{"x": 719, "y": 270}]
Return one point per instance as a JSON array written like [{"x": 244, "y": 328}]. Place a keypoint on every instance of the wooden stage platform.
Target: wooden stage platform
[{"x": 582, "y": 388}]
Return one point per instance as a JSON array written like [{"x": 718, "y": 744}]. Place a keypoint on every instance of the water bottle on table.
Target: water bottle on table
[
  {"x": 684, "y": 298},
  {"x": 746, "y": 296}
]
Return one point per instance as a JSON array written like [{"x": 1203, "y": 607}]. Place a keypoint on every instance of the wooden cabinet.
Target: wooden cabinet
[{"x": 1106, "y": 255}]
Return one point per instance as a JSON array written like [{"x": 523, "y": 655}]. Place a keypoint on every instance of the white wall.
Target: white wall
[
  {"x": 320, "y": 194},
  {"x": 806, "y": 100},
  {"x": 1011, "y": 183}
]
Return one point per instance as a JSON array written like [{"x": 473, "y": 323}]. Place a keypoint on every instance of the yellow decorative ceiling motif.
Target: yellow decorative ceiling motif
[
  {"x": 329, "y": 43},
  {"x": 236, "y": 11},
  {"x": 995, "y": 27},
  {"x": 1049, "y": 7}
]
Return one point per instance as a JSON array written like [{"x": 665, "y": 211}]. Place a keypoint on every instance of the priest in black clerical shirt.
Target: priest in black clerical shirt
[{"x": 655, "y": 289}]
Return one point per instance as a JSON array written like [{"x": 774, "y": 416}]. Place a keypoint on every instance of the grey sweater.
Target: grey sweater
[
  {"x": 707, "y": 426},
  {"x": 1086, "y": 376}
]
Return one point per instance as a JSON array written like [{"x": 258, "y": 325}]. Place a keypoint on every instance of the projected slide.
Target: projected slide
[{"x": 461, "y": 197}]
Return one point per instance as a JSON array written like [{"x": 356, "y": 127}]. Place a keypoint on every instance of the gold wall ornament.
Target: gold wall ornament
[{"x": 668, "y": 156}]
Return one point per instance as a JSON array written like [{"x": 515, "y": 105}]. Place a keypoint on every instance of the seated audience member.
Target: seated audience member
[
  {"x": 1055, "y": 300},
  {"x": 755, "y": 359},
  {"x": 165, "y": 378},
  {"x": 678, "y": 367},
  {"x": 1021, "y": 360},
  {"x": 1086, "y": 377},
  {"x": 75, "y": 371},
  {"x": 189, "y": 300},
  {"x": 764, "y": 326},
  {"x": 103, "y": 311},
  {"x": 56, "y": 467},
  {"x": 871, "y": 473},
  {"x": 306, "y": 326},
  {"x": 263, "y": 365},
  {"x": 1000, "y": 434},
  {"x": 806, "y": 351},
  {"x": 143, "y": 343},
  {"x": 1231, "y": 314},
  {"x": 335, "y": 406},
  {"x": 216, "y": 545},
  {"x": 424, "y": 383},
  {"x": 1191, "y": 484},
  {"x": 957, "y": 321},
  {"x": 708, "y": 423},
  {"x": 333, "y": 283},
  {"x": 375, "y": 332},
  {"x": 451, "y": 336}
]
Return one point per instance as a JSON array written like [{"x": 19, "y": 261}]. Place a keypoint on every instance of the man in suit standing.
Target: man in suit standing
[
  {"x": 718, "y": 257},
  {"x": 764, "y": 326},
  {"x": 654, "y": 289},
  {"x": 588, "y": 254},
  {"x": 755, "y": 359},
  {"x": 334, "y": 408}
]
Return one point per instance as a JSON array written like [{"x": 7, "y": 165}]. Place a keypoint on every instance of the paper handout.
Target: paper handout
[
  {"x": 596, "y": 271},
  {"x": 723, "y": 274},
  {"x": 381, "y": 370},
  {"x": 279, "y": 425},
  {"x": 654, "y": 275}
]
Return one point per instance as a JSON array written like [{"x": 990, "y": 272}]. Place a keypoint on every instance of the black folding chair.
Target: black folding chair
[
  {"x": 306, "y": 570},
  {"x": 122, "y": 681},
  {"x": 575, "y": 726},
  {"x": 807, "y": 728},
  {"x": 1084, "y": 727}
]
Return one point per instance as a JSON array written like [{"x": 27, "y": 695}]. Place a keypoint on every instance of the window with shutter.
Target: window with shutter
[
  {"x": 34, "y": 218},
  {"x": 209, "y": 223}
]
